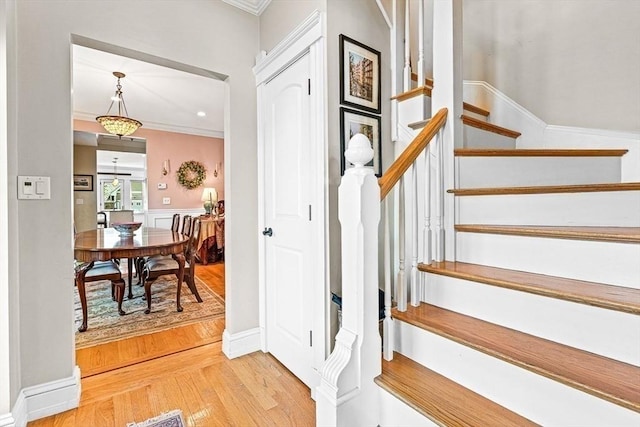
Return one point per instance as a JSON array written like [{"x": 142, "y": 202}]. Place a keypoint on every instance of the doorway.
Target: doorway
[{"x": 162, "y": 140}]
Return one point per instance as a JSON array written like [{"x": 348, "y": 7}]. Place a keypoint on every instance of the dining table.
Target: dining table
[
  {"x": 211, "y": 235},
  {"x": 104, "y": 244}
]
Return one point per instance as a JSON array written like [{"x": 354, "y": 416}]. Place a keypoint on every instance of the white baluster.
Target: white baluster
[
  {"x": 401, "y": 286},
  {"x": 440, "y": 193},
  {"x": 420, "y": 43},
  {"x": 415, "y": 297},
  {"x": 407, "y": 48},
  {"x": 428, "y": 184},
  {"x": 387, "y": 340}
]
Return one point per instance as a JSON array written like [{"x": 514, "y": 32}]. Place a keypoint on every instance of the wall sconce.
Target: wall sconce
[
  {"x": 165, "y": 167},
  {"x": 217, "y": 169}
]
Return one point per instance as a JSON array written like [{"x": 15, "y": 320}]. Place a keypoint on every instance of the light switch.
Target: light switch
[
  {"x": 79, "y": 201},
  {"x": 166, "y": 200},
  {"x": 162, "y": 186},
  {"x": 34, "y": 187}
]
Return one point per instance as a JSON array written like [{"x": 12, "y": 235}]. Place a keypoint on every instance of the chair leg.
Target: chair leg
[
  {"x": 192, "y": 287},
  {"x": 119, "y": 285}
]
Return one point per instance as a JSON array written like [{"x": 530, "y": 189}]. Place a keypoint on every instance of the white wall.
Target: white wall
[
  {"x": 570, "y": 62},
  {"x": 281, "y": 17},
  {"x": 362, "y": 21},
  {"x": 211, "y": 35}
]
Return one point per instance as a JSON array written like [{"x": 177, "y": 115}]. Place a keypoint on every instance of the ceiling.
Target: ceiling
[{"x": 161, "y": 98}]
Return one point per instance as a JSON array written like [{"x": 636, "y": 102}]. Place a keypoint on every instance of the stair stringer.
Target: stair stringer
[
  {"x": 533, "y": 396},
  {"x": 505, "y": 112}
]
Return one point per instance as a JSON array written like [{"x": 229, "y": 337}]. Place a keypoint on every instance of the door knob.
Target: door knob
[{"x": 267, "y": 232}]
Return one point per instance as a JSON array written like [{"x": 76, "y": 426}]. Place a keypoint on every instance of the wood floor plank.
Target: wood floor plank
[
  {"x": 605, "y": 378},
  {"x": 441, "y": 400},
  {"x": 603, "y": 234},
  {"x": 137, "y": 378},
  {"x": 611, "y": 297}
]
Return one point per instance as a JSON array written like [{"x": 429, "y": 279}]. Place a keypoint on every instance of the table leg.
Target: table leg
[
  {"x": 130, "y": 275},
  {"x": 180, "y": 260},
  {"x": 80, "y": 275}
]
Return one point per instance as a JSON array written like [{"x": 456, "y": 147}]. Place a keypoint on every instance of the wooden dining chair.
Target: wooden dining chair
[
  {"x": 100, "y": 270},
  {"x": 141, "y": 261},
  {"x": 161, "y": 266},
  {"x": 186, "y": 225}
]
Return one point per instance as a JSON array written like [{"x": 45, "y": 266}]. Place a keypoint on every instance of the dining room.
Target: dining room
[{"x": 171, "y": 166}]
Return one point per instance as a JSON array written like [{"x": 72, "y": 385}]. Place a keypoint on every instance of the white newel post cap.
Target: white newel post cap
[{"x": 359, "y": 151}]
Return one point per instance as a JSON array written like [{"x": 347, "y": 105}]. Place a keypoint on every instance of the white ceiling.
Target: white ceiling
[{"x": 161, "y": 98}]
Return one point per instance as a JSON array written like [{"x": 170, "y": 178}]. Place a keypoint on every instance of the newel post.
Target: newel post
[{"x": 347, "y": 395}]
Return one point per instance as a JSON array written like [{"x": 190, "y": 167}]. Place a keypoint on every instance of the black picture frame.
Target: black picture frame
[
  {"x": 359, "y": 75},
  {"x": 352, "y": 122},
  {"x": 82, "y": 182}
]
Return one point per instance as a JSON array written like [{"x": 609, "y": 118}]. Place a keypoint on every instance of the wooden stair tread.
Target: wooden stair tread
[
  {"x": 427, "y": 80},
  {"x": 476, "y": 110},
  {"x": 615, "y": 381},
  {"x": 419, "y": 125},
  {"x": 603, "y": 234},
  {"x": 421, "y": 90},
  {"x": 574, "y": 188},
  {"x": 611, "y": 297},
  {"x": 521, "y": 152},
  {"x": 489, "y": 127},
  {"x": 441, "y": 400}
]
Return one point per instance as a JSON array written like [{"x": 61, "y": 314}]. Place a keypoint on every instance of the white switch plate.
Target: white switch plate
[
  {"x": 79, "y": 201},
  {"x": 162, "y": 186},
  {"x": 34, "y": 187},
  {"x": 166, "y": 200}
]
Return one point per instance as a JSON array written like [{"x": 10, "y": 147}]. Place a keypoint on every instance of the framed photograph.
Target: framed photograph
[
  {"x": 82, "y": 182},
  {"x": 359, "y": 75},
  {"x": 353, "y": 122}
]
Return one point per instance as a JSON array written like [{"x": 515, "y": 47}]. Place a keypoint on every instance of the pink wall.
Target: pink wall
[{"x": 177, "y": 148}]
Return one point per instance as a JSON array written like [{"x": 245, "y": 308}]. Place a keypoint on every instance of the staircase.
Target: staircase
[{"x": 537, "y": 321}]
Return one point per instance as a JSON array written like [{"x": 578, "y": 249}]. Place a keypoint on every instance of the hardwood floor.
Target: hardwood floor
[{"x": 184, "y": 368}]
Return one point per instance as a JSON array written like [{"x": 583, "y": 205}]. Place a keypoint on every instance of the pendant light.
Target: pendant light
[
  {"x": 120, "y": 124},
  {"x": 115, "y": 181}
]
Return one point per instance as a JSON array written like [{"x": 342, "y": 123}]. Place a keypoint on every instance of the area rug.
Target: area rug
[
  {"x": 170, "y": 419},
  {"x": 105, "y": 324}
]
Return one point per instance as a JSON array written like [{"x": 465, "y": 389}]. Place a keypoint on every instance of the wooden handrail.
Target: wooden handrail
[{"x": 411, "y": 153}]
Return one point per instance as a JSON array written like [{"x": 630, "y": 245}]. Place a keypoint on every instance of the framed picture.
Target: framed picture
[
  {"x": 353, "y": 122},
  {"x": 359, "y": 75},
  {"x": 82, "y": 182}
]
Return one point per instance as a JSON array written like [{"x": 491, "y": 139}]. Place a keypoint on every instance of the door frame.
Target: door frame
[{"x": 308, "y": 38}]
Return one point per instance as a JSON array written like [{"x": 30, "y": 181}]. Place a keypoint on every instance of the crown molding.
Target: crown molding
[{"x": 255, "y": 7}]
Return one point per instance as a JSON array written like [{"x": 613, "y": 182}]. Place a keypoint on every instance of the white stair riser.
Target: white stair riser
[
  {"x": 395, "y": 413},
  {"x": 606, "y": 332},
  {"x": 614, "y": 209},
  {"x": 480, "y": 171},
  {"x": 478, "y": 138},
  {"x": 414, "y": 109},
  {"x": 533, "y": 396},
  {"x": 603, "y": 262},
  {"x": 475, "y": 115}
]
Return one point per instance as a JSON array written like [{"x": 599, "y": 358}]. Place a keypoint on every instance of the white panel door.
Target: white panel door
[{"x": 288, "y": 230}]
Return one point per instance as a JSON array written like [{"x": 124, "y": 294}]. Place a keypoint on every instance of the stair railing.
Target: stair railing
[
  {"x": 347, "y": 392},
  {"x": 432, "y": 201}
]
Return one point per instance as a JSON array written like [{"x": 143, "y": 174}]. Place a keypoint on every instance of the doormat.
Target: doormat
[
  {"x": 169, "y": 419},
  {"x": 106, "y": 325}
]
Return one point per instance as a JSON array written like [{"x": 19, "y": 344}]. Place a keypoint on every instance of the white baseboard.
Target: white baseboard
[
  {"x": 236, "y": 345},
  {"x": 8, "y": 420},
  {"x": 47, "y": 399}
]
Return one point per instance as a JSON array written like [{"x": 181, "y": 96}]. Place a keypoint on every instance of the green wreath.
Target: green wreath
[{"x": 191, "y": 174}]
